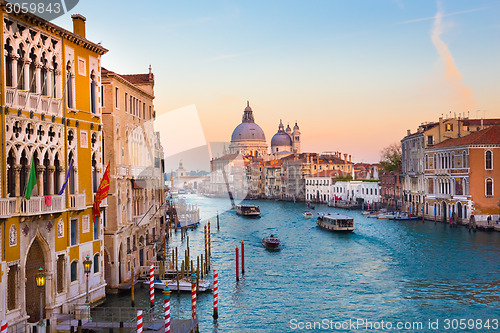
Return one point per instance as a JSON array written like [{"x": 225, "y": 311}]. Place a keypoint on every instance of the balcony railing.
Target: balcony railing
[
  {"x": 22, "y": 99},
  {"x": 7, "y": 207},
  {"x": 77, "y": 201},
  {"x": 39, "y": 205}
]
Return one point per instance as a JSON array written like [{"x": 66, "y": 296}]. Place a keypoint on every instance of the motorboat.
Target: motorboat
[
  {"x": 248, "y": 210},
  {"x": 336, "y": 222},
  {"x": 405, "y": 217},
  {"x": 271, "y": 242},
  {"x": 308, "y": 215},
  {"x": 387, "y": 215}
]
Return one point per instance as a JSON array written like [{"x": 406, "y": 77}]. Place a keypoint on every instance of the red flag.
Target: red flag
[{"x": 102, "y": 192}]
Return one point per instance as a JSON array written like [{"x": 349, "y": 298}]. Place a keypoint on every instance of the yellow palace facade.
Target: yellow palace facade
[{"x": 51, "y": 116}]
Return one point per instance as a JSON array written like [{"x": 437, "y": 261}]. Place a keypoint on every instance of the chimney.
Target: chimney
[
  {"x": 408, "y": 132},
  {"x": 345, "y": 157},
  {"x": 79, "y": 24},
  {"x": 349, "y": 158}
]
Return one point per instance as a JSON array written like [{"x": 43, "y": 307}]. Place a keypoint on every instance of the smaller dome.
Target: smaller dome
[
  {"x": 296, "y": 127},
  {"x": 281, "y": 139}
]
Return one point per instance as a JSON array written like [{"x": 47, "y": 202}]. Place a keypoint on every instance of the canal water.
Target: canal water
[{"x": 385, "y": 272}]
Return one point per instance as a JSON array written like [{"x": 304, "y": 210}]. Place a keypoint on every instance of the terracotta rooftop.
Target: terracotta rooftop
[
  {"x": 489, "y": 135},
  {"x": 132, "y": 78},
  {"x": 326, "y": 173},
  {"x": 136, "y": 78},
  {"x": 486, "y": 122}
]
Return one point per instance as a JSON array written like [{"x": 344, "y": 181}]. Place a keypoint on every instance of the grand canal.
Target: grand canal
[{"x": 385, "y": 271}]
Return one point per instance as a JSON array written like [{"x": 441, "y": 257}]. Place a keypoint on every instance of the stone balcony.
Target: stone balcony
[
  {"x": 34, "y": 206},
  {"x": 77, "y": 201},
  {"x": 22, "y": 99}
]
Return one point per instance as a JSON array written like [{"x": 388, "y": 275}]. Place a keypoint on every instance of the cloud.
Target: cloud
[{"x": 452, "y": 75}]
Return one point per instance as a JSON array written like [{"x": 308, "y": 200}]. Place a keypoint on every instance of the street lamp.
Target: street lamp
[
  {"x": 40, "y": 282},
  {"x": 87, "y": 264}
]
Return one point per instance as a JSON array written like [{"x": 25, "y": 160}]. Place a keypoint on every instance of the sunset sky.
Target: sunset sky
[{"x": 354, "y": 74}]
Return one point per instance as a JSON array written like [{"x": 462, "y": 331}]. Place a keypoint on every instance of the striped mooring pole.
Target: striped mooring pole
[
  {"x": 152, "y": 284},
  {"x": 4, "y": 326},
  {"x": 139, "y": 321},
  {"x": 166, "y": 297},
  {"x": 193, "y": 296},
  {"x": 216, "y": 294}
]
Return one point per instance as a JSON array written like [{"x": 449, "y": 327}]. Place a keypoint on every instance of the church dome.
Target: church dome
[
  {"x": 281, "y": 139},
  {"x": 248, "y": 130}
]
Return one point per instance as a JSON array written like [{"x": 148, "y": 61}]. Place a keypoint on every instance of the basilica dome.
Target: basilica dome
[
  {"x": 248, "y": 138},
  {"x": 248, "y": 132},
  {"x": 281, "y": 139}
]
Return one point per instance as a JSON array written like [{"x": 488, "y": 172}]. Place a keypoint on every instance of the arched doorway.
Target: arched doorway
[
  {"x": 459, "y": 211},
  {"x": 107, "y": 267},
  {"x": 444, "y": 211},
  {"x": 34, "y": 260}
]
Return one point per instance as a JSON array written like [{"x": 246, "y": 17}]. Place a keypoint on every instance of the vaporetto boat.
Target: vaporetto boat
[{"x": 336, "y": 222}]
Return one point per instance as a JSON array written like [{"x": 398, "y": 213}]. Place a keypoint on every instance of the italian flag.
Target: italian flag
[{"x": 31, "y": 180}]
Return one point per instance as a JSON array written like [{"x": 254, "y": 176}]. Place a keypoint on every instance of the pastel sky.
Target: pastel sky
[{"x": 354, "y": 74}]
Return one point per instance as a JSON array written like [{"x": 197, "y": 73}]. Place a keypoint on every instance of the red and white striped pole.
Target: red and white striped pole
[
  {"x": 166, "y": 296},
  {"x": 216, "y": 294},
  {"x": 193, "y": 296},
  {"x": 4, "y": 326},
  {"x": 152, "y": 285},
  {"x": 139, "y": 321}
]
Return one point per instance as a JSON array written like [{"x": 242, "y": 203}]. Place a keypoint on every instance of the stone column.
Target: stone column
[
  {"x": 40, "y": 170},
  {"x": 61, "y": 175},
  {"x": 17, "y": 179},
  {"x": 26, "y": 74},
  {"x": 48, "y": 82},
  {"x": 50, "y": 180},
  {"x": 38, "y": 79},
  {"x": 14, "y": 71}
]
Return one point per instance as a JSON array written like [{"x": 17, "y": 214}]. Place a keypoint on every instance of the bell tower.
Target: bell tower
[{"x": 296, "y": 139}]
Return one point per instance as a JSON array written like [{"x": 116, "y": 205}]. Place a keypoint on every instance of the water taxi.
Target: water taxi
[
  {"x": 308, "y": 215},
  {"x": 271, "y": 242},
  {"x": 248, "y": 210},
  {"x": 336, "y": 222}
]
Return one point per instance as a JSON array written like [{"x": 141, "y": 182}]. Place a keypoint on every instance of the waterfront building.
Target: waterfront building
[
  {"x": 427, "y": 135},
  {"x": 318, "y": 185},
  {"x": 460, "y": 177},
  {"x": 367, "y": 191},
  {"x": 391, "y": 189},
  {"x": 134, "y": 219},
  {"x": 255, "y": 173},
  {"x": 228, "y": 173},
  {"x": 51, "y": 127},
  {"x": 186, "y": 181},
  {"x": 273, "y": 175}
]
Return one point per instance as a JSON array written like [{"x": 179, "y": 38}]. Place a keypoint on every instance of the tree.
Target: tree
[{"x": 391, "y": 157}]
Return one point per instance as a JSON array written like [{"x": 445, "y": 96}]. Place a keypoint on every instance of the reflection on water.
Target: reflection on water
[
  {"x": 465, "y": 292},
  {"x": 385, "y": 270}
]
